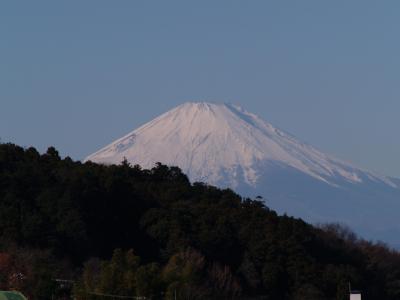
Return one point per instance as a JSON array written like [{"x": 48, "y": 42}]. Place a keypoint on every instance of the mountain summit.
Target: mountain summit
[{"x": 224, "y": 145}]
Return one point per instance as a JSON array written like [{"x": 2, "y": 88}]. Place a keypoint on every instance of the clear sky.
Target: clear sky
[{"x": 79, "y": 74}]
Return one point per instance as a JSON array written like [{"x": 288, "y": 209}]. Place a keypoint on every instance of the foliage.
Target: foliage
[{"x": 65, "y": 219}]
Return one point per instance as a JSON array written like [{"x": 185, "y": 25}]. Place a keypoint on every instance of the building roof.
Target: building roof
[{"x": 8, "y": 295}]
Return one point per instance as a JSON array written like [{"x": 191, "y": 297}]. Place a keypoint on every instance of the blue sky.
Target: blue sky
[{"x": 79, "y": 74}]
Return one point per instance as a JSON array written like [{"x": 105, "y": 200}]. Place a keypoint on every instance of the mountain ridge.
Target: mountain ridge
[{"x": 226, "y": 146}]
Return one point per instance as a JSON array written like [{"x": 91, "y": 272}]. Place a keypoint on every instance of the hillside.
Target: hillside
[{"x": 63, "y": 219}]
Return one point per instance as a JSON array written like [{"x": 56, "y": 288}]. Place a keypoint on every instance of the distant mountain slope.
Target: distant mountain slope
[{"x": 224, "y": 145}]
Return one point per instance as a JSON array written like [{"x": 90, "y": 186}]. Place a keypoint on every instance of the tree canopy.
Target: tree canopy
[{"x": 123, "y": 230}]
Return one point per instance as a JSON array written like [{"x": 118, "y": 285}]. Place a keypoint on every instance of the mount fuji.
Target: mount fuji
[{"x": 226, "y": 146}]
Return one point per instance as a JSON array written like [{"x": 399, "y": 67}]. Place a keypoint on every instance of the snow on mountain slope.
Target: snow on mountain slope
[
  {"x": 224, "y": 145},
  {"x": 216, "y": 143}
]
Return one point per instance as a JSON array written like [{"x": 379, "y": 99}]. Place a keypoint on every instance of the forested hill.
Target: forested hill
[{"x": 125, "y": 231}]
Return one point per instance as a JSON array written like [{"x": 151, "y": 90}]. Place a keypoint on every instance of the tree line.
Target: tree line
[{"x": 124, "y": 231}]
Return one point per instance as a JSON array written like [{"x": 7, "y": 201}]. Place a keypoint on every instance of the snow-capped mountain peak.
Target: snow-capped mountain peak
[{"x": 223, "y": 144}]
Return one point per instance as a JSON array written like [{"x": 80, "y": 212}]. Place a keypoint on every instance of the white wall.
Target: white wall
[{"x": 355, "y": 297}]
